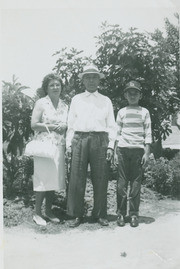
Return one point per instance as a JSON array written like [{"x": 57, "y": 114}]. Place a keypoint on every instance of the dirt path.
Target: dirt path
[{"x": 154, "y": 244}]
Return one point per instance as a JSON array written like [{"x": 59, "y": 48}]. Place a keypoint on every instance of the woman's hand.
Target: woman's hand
[{"x": 60, "y": 128}]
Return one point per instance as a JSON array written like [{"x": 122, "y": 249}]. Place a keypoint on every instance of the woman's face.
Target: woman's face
[{"x": 54, "y": 88}]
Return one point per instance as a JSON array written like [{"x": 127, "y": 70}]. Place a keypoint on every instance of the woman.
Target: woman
[{"x": 49, "y": 174}]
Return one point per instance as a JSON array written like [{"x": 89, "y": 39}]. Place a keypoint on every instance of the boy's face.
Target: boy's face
[{"x": 133, "y": 96}]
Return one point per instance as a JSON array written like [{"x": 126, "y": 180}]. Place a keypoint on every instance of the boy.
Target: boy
[{"x": 132, "y": 152}]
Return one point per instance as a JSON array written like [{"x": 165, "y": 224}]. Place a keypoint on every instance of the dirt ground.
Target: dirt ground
[{"x": 154, "y": 244}]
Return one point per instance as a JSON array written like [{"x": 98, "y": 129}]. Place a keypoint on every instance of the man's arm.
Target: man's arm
[
  {"x": 70, "y": 122},
  {"x": 111, "y": 126}
]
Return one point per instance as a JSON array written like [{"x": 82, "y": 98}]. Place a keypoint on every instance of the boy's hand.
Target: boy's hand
[
  {"x": 115, "y": 159},
  {"x": 145, "y": 159}
]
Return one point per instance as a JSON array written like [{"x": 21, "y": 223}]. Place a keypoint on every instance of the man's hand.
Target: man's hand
[
  {"x": 109, "y": 154},
  {"x": 68, "y": 152}
]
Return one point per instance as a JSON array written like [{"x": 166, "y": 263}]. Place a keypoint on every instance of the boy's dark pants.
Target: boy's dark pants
[
  {"x": 90, "y": 147},
  {"x": 129, "y": 170}
]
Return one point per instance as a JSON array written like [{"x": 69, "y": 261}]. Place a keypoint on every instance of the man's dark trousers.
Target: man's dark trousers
[
  {"x": 88, "y": 147},
  {"x": 129, "y": 170}
]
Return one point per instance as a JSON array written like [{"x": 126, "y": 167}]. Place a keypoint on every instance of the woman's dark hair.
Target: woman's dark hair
[{"x": 46, "y": 81}]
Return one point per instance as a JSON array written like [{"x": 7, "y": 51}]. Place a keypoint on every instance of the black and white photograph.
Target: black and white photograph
[{"x": 90, "y": 134}]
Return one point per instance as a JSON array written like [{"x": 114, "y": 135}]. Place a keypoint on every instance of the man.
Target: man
[{"x": 90, "y": 137}]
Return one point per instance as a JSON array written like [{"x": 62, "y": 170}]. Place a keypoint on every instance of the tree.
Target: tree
[
  {"x": 145, "y": 57},
  {"x": 69, "y": 64},
  {"x": 173, "y": 47}
]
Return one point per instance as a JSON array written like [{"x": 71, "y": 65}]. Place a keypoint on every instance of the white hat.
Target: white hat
[{"x": 90, "y": 69}]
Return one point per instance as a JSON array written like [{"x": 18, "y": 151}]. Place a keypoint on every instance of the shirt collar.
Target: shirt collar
[
  {"x": 48, "y": 99},
  {"x": 87, "y": 94}
]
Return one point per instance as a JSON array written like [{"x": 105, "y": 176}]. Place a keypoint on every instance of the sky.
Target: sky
[{"x": 32, "y": 31}]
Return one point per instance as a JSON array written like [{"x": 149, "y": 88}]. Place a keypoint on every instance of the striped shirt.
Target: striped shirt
[{"x": 134, "y": 127}]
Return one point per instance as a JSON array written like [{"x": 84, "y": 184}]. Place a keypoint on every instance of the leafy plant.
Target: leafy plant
[
  {"x": 16, "y": 112},
  {"x": 21, "y": 185},
  {"x": 163, "y": 176},
  {"x": 175, "y": 164}
]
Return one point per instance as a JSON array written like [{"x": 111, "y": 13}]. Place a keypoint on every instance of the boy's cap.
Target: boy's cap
[{"x": 133, "y": 85}]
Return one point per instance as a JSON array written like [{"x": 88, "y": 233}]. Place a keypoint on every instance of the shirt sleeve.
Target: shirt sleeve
[
  {"x": 147, "y": 129},
  {"x": 111, "y": 126},
  {"x": 119, "y": 125},
  {"x": 70, "y": 122}
]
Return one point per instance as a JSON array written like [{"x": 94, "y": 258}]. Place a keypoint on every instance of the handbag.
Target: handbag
[{"x": 44, "y": 149}]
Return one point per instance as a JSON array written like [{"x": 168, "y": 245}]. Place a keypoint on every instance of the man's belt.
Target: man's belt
[{"x": 89, "y": 133}]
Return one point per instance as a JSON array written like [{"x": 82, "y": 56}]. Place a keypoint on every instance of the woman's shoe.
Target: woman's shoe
[
  {"x": 39, "y": 220},
  {"x": 53, "y": 219}
]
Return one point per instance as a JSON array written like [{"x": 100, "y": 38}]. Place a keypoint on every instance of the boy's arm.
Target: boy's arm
[
  {"x": 147, "y": 129},
  {"x": 119, "y": 128},
  {"x": 145, "y": 157},
  {"x": 115, "y": 153},
  {"x": 148, "y": 139}
]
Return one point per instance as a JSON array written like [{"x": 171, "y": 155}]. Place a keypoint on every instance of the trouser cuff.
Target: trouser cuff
[{"x": 133, "y": 213}]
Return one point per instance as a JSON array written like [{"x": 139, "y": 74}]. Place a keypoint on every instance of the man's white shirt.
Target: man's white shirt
[{"x": 91, "y": 112}]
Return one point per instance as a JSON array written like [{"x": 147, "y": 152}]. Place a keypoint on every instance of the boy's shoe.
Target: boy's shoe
[
  {"x": 75, "y": 223},
  {"x": 134, "y": 221},
  {"x": 120, "y": 221},
  {"x": 39, "y": 221},
  {"x": 103, "y": 222}
]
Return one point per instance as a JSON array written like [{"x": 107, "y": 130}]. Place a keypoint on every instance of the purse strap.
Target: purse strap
[{"x": 47, "y": 129}]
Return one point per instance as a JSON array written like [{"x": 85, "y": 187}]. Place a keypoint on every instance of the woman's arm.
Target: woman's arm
[{"x": 36, "y": 123}]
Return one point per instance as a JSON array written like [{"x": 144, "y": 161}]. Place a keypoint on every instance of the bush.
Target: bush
[
  {"x": 163, "y": 176},
  {"x": 16, "y": 113},
  {"x": 18, "y": 182},
  {"x": 175, "y": 164},
  {"x": 169, "y": 153}
]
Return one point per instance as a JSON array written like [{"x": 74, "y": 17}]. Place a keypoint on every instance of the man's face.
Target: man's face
[{"x": 91, "y": 82}]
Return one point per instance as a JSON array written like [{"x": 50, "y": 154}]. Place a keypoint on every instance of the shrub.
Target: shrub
[
  {"x": 21, "y": 185},
  {"x": 175, "y": 164},
  {"x": 16, "y": 113},
  {"x": 163, "y": 176}
]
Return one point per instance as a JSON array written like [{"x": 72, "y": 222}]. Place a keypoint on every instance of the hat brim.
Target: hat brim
[
  {"x": 132, "y": 87},
  {"x": 99, "y": 74}
]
